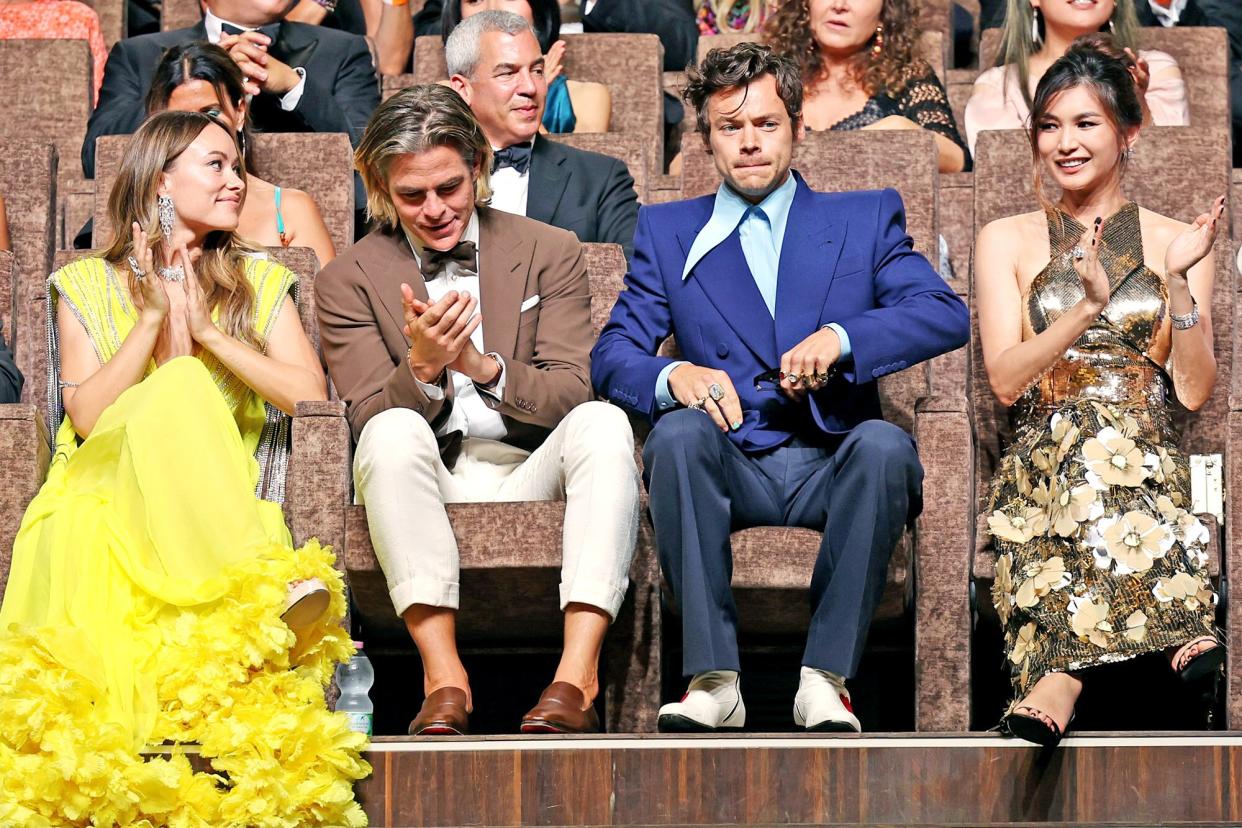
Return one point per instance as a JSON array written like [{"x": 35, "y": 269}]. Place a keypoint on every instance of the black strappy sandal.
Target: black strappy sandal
[
  {"x": 1204, "y": 664},
  {"x": 1032, "y": 729}
]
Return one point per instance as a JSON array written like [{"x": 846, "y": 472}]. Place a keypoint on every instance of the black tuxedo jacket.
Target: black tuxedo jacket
[
  {"x": 341, "y": 91},
  {"x": 589, "y": 194}
]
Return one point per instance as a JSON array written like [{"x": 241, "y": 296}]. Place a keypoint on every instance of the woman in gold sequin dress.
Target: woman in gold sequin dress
[{"x": 1092, "y": 312}]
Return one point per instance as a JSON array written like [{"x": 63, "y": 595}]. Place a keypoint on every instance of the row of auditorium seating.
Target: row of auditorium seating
[
  {"x": 947, "y": 405},
  {"x": 57, "y": 105}
]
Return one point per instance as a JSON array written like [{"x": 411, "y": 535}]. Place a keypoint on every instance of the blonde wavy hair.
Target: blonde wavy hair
[
  {"x": 414, "y": 120},
  {"x": 788, "y": 31},
  {"x": 221, "y": 269}
]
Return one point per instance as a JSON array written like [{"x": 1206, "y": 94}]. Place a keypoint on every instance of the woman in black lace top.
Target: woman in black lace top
[{"x": 860, "y": 70}]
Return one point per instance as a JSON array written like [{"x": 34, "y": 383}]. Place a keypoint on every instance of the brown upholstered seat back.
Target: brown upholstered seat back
[
  {"x": 606, "y": 270},
  {"x": 8, "y": 286},
  {"x": 28, "y": 186},
  {"x": 113, "y": 19},
  {"x": 429, "y": 63},
  {"x": 630, "y": 149},
  {"x": 1201, "y": 53},
  {"x": 48, "y": 93},
  {"x": 179, "y": 14},
  {"x": 321, "y": 163}
]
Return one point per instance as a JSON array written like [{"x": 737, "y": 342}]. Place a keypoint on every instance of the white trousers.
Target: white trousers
[{"x": 587, "y": 461}]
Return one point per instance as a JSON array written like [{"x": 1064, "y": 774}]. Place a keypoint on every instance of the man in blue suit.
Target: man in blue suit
[{"x": 787, "y": 306}]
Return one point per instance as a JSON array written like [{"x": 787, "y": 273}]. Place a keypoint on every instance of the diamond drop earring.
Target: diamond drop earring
[
  {"x": 164, "y": 206},
  {"x": 1035, "y": 36}
]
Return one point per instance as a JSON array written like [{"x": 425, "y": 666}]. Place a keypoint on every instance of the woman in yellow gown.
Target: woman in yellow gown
[{"x": 144, "y": 603}]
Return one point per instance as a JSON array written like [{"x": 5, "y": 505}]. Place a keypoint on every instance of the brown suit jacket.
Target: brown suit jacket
[{"x": 546, "y": 347}]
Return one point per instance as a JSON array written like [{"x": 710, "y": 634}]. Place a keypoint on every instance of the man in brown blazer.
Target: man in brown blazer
[{"x": 458, "y": 337}]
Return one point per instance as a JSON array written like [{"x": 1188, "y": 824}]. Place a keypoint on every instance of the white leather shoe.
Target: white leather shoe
[
  {"x": 712, "y": 702},
  {"x": 823, "y": 704}
]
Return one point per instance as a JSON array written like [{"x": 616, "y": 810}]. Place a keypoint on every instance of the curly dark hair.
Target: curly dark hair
[
  {"x": 789, "y": 32},
  {"x": 738, "y": 66}
]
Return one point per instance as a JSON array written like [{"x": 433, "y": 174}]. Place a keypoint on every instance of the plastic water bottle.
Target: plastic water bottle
[{"x": 354, "y": 679}]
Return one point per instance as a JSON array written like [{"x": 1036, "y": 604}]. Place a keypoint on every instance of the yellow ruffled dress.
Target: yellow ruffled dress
[{"x": 143, "y": 611}]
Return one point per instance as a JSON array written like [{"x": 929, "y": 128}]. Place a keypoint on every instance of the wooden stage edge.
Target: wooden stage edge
[{"x": 978, "y": 780}]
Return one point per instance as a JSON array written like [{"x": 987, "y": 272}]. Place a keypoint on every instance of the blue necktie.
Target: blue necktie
[{"x": 755, "y": 234}]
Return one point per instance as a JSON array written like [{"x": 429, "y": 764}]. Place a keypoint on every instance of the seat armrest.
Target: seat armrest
[
  {"x": 944, "y": 541},
  {"x": 317, "y": 485},
  {"x": 25, "y": 447}
]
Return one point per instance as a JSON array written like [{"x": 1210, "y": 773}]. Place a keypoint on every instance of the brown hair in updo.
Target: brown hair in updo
[{"x": 1093, "y": 61}]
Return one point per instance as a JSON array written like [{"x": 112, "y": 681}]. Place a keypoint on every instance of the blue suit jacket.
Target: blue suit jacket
[{"x": 846, "y": 258}]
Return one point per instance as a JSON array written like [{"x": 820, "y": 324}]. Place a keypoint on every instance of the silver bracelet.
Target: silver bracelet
[{"x": 1191, "y": 319}]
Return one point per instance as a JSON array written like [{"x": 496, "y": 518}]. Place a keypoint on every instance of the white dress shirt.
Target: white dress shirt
[
  {"x": 474, "y": 411},
  {"x": 288, "y": 101},
  {"x": 509, "y": 188}
]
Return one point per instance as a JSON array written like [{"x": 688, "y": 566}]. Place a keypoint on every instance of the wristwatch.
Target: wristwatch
[
  {"x": 488, "y": 386},
  {"x": 1188, "y": 321}
]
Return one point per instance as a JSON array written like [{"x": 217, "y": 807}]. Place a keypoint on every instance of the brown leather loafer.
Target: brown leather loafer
[
  {"x": 560, "y": 711},
  {"x": 443, "y": 714}
]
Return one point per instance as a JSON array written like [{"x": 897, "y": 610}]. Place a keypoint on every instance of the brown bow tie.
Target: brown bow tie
[{"x": 435, "y": 262}]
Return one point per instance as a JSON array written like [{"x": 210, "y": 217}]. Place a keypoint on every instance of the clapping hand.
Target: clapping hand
[
  {"x": 437, "y": 331},
  {"x": 1193, "y": 243},
  {"x": 552, "y": 61},
  {"x": 1086, "y": 258},
  {"x": 1140, "y": 71},
  {"x": 197, "y": 315},
  {"x": 152, "y": 295}
]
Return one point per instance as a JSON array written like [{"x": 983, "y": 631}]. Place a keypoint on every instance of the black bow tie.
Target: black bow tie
[
  {"x": 271, "y": 30},
  {"x": 435, "y": 262},
  {"x": 516, "y": 156}
]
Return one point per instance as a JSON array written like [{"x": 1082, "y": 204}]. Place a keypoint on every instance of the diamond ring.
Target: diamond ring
[
  {"x": 134, "y": 266},
  {"x": 716, "y": 392},
  {"x": 175, "y": 273},
  {"x": 1078, "y": 253}
]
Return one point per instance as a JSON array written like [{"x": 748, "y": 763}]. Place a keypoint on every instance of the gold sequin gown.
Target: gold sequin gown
[{"x": 1098, "y": 558}]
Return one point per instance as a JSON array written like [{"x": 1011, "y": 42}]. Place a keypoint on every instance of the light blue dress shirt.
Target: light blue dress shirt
[{"x": 761, "y": 231}]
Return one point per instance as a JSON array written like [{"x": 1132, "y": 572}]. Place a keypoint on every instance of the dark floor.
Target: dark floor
[{"x": 1138, "y": 695}]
